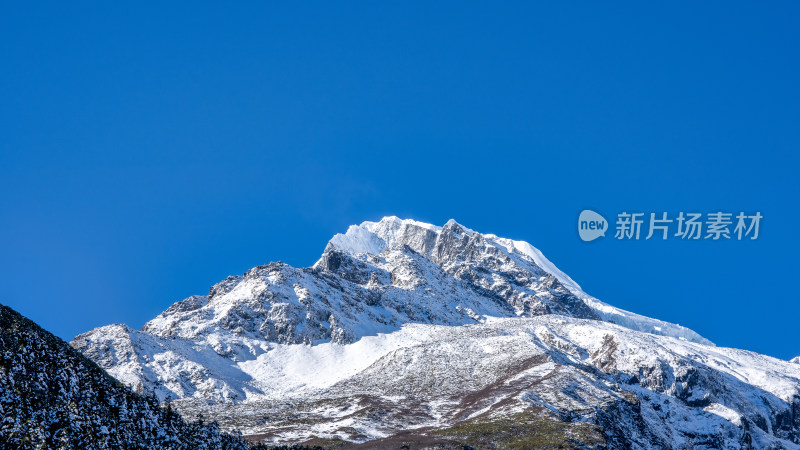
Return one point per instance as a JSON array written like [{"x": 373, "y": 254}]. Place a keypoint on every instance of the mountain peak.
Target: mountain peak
[
  {"x": 376, "y": 278},
  {"x": 391, "y": 232},
  {"x": 374, "y": 237}
]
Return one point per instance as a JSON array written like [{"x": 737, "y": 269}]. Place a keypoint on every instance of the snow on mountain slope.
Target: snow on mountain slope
[
  {"x": 642, "y": 390},
  {"x": 169, "y": 367},
  {"x": 402, "y": 325}
]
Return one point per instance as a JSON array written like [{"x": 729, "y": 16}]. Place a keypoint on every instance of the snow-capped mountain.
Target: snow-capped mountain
[{"x": 405, "y": 330}]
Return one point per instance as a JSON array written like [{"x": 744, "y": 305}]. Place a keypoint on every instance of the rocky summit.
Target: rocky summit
[{"x": 409, "y": 334}]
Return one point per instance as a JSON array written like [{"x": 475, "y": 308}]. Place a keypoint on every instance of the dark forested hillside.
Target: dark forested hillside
[{"x": 51, "y": 396}]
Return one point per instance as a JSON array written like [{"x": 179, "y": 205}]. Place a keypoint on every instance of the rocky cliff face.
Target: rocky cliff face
[
  {"x": 51, "y": 396},
  {"x": 440, "y": 335}
]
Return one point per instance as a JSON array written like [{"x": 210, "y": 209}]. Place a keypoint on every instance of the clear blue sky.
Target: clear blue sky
[{"x": 150, "y": 150}]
